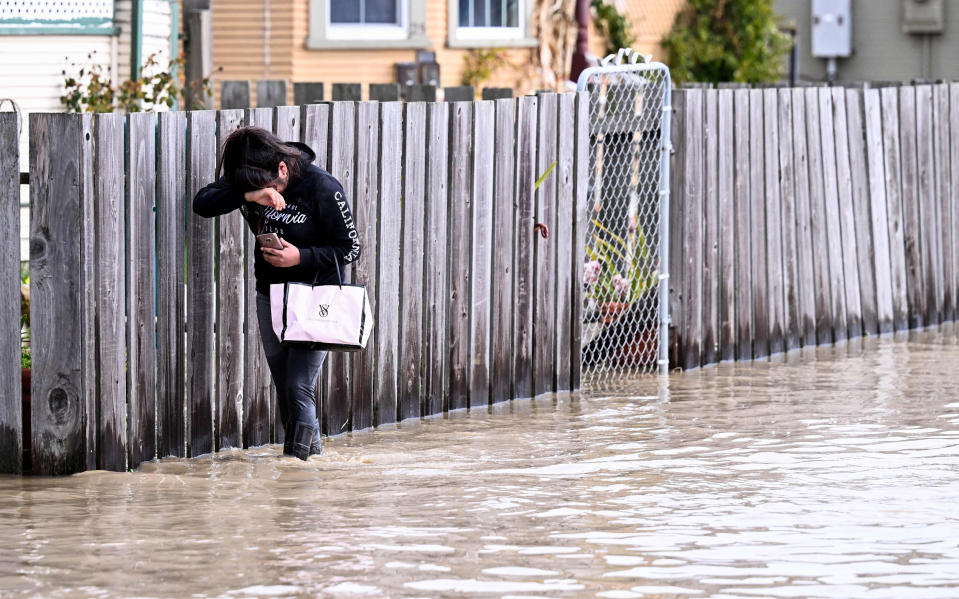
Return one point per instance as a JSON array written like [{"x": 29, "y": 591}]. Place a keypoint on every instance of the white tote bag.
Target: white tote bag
[{"x": 329, "y": 317}]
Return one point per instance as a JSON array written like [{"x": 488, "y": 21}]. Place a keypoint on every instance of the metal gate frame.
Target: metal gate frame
[{"x": 627, "y": 61}]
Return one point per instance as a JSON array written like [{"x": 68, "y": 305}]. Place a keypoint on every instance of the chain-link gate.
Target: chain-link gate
[{"x": 625, "y": 312}]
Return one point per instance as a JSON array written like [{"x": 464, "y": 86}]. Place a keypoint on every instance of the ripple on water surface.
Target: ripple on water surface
[{"x": 827, "y": 474}]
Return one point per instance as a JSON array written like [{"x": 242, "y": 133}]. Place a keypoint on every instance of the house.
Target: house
[{"x": 361, "y": 41}]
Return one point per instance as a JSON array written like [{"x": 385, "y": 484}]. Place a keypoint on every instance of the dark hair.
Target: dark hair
[{"x": 251, "y": 158}]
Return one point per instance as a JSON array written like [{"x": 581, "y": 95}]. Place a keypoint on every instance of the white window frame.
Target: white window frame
[
  {"x": 489, "y": 37},
  {"x": 410, "y": 33}
]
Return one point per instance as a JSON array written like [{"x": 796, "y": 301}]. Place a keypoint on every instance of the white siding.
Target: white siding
[{"x": 156, "y": 32}]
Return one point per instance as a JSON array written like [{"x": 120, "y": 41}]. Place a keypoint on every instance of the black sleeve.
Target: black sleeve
[
  {"x": 217, "y": 198},
  {"x": 341, "y": 235}
]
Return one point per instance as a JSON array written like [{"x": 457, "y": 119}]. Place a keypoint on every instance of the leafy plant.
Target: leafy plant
[
  {"x": 479, "y": 65},
  {"x": 620, "y": 269},
  {"x": 726, "y": 40},
  {"x": 92, "y": 90},
  {"x": 612, "y": 25}
]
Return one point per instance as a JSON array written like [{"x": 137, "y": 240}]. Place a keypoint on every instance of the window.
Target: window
[
  {"x": 490, "y": 23},
  {"x": 346, "y": 24}
]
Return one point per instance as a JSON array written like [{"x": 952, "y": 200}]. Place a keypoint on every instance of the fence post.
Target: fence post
[
  {"x": 58, "y": 327},
  {"x": 11, "y": 416}
]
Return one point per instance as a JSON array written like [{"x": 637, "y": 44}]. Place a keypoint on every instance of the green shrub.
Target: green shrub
[
  {"x": 726, "y": 40},
  {"x": 612, "y": 25}
]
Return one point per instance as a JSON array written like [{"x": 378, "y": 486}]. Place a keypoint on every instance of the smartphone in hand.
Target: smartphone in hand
[{"x": 270, "y": 240}]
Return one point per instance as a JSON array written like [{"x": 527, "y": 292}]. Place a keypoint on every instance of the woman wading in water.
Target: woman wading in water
[{"x": 279, "y": 190}]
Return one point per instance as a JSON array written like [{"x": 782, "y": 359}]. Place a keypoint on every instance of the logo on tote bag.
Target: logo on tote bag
[{"x": 324, "y": 310}]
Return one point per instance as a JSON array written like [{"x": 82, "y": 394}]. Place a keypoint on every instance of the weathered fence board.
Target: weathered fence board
[
  {"x": 388, "y": 259},
  {"x": 757, "y": 203},
  {"x": 460, "y": 204},
  {"x": 201, "y": 156},
  {"x": 436, "y": 299},
  {"x": 230, "y": 309},
  {"x": 831, "y": 212},
  {"x": 581, "y": 149},
  {"x": 787, "y": 198},
  {"x": 743, "y": 236},
  {"x": 87, "y": 290},
  {"x": 847, "y": 230},
  {"x": 877, "y": 211},
  {"x": 501, "y": 289},
  {"x": 805, "y": 280},
  {"x": 817, "y": 220},
  {"x": 945, "y": 204},
  {"x": 727, "y": 227},
  {"x": 347, "y": 92},
  {"x": 270, "y": 93},
  {"x": 411, "y": 344},
  {"x": 677, "y": 197},
  {"x": 523, "y": 248},
  {"x": 316, "y": 131},
  {"x": 171, "y": 241},
  {"x": 544, "y": 250},
  {"x": 111, "y": 292},
  {"x": 235, "y": 94},
  {"x": 480, "y": 283},
  {"x": 692, "y": 201},
  {"x": 58, "y": 418},
  {"x": 11, "y": 415},
  {"x": 565, "y": 208},
  {"x": 889, "y": 103},
  {"x": 710, "y": 218},
  {"x": 307, "y": 93},
  {"x": 364, "y": 269},
  {"x": 860, "y": 214},
  {"x": 774, "y": 240},
  {"x": 929, "y": 233},
  {"x": 257, "y": 387},
  {"x": 342, "y": 152},
  {"x": 954, "y": 186},
  {"x": 912, "y": 239}
]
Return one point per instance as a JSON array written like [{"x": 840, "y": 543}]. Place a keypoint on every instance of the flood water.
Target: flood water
[{"x": 834, "y": 473}]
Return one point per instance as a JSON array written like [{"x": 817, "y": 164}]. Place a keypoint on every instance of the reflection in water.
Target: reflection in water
[{"x": 827, "y": 474}]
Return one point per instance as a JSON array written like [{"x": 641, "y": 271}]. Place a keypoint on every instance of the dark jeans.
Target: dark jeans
[{"x": 294, "y": 371}]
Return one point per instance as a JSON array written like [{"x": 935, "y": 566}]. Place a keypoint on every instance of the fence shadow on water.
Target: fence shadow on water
[
  {"x": 810, "y": 216},
  {"x": 144, "y": 339}
]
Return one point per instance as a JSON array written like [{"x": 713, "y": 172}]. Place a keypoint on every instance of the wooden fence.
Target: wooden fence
[
  {"x": 144, "y": 338},
  {"x": 810, "y": 216}
]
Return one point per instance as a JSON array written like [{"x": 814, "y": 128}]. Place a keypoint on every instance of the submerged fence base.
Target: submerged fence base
[
  {"x": 810, "y": 216},
  {"x": 143, "y": 327}
]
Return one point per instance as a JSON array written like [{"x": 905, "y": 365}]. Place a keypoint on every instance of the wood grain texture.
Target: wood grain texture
[
  {"x": 230, "y": 308},
  {"x": 892, "y": 165},
  {"x": 316, "y": 131},
  {"x": 565, "y": 243},
  {"x": 270, "y": 93},
  {"x": 524, "y": 208},
  {"x": 201, "y": 304},
  {"x": 389, "y": 236},
  {"x": 817, "y": 220},
  {"x": 805, "y": 279},
  {"x": 726, "y": 272},
  {"x": 364, "y": 269},
  {"x": 544, "y": 256},
  {"x": 58, "y": 417},
  {"x": 460, "y": 206},
  {"x": 710, "y": 218},
  {"x": 141, "y": 287},
  {"x": 501, "y": 285},
  {"x": 911, "y": 217},
  {"x": 342, "y": 152},
  {"x": 581, "y": 150},
  {"x": 235, "y": 94},
  {"x": 257, "y": 383},
  {"x": 831, "y": 212},
  {"x": 411, "y": 346},
  {"x": 787, "y": 197},
  {"x": 481, "y": 250},
  {"x": 861, "y": 219},
  {"x": 945, "y": 202},
  {"x": 109, "y": 198},
  {"x": 878, "y": 213},
  {"x": 436, "y": 273},
  {"x": 954, "y": 185},
  {"x": 11, "y": 415},
  {"x": 757, "y": 203},
  {"x": 677, "y": 268},
  {"x": 742, "y": 209},
  {"x": 930, "y": 244},
  {"x": 693, "y": 231},
  {"x": 88, "y": 287},
  {"x": 774, "y": 240},
  {"x": 850, "y": 268},
  {"x": 171, "y": 255}
]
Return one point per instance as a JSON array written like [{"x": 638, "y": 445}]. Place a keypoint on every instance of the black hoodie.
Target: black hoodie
[{"x": 317, "y": 220}]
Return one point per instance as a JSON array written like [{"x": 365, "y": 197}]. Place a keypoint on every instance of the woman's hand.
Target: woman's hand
[
  {"x": 267, "y": 196},
  {"x": 288, "y": 256}
]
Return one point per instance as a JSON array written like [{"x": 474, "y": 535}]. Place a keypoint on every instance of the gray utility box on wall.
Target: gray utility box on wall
[
  {"x": 922, "y": 16},
  {"x": 831, "y": 28}
]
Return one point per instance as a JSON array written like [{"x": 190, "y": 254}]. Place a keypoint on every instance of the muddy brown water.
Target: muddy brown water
[{"x": 828, "y": 473}]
